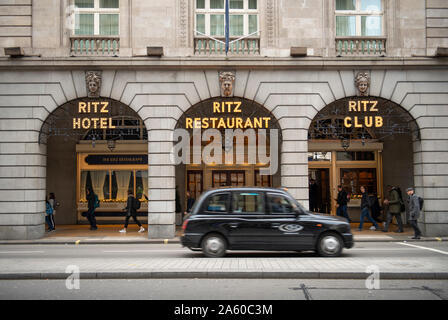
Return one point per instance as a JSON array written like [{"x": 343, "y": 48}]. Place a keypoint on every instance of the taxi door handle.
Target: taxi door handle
[{"x": 233, "y": 225}]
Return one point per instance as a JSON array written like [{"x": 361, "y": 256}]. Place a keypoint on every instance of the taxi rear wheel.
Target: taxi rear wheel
[
  {"x": 330, "y": 245},
  {"x": 214, "y": 246}
]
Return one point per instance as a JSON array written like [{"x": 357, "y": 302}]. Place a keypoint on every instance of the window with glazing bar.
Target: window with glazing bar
[
  {"x": 96, "y": 18},
  {"x": 210, "y": 17},
  {"x": 359, "y": 18}
]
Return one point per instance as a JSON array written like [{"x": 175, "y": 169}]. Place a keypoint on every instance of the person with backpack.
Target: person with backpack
[
  {"x": 92, "y": 204},
  {"x": 48, "y": 214},
  {"x": 415, "y": 204},
  {"x": 365, "y": 209},
  {"x": 395, "y": 205},
  {"x": 132, "y": 205}
]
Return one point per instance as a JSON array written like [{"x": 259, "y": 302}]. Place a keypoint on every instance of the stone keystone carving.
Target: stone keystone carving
[
  {"x": 227, "y": 81},
  {"x": 362, "y": 83},
  {"x": 93, "y": 83}
]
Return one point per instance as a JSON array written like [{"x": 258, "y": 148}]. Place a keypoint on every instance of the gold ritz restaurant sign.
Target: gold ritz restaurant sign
[
  {"x": 365, "y": 106},
  {"x": 229, "y": 122},
  {"x": 92, "y": 108}
]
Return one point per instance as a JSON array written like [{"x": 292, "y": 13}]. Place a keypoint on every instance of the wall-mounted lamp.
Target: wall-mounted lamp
[
  {"x": 111, "y": 145},
  {"x": 345, "y": 144}
]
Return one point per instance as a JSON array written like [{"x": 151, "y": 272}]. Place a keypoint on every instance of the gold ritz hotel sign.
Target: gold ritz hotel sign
[
  {"x": 89, "y": 108},
  {"x": 227, "y": 107},
  {"x": 364, "y": 106}
]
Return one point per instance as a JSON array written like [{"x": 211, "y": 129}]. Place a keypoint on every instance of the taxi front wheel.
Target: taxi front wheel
[
  {"x": 214, "y": 246},
  {"x": 330, "y": 245}
]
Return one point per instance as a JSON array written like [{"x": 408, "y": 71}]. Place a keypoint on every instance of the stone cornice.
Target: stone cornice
[{"x": 221, "y": 62}]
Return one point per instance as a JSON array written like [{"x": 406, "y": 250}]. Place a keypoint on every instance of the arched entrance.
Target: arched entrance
[
  {"x": 96, "y": 143},
  {"x": 359, "y": 141},
  {"x": 245, "y": 131}
]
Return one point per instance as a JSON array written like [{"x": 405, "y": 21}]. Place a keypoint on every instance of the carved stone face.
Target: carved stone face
[
  {"x": 93, "y": 83},
  {"x": 362, "y": 82},
  {"x": 227, "y": 80},
  {"x": 93, "y": 87},
  {"x": 227, "y": 88},
  {"x": 362, "y": 87}
]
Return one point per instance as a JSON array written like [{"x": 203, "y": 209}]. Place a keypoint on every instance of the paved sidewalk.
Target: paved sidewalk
[{"x": 108, "y": 234}]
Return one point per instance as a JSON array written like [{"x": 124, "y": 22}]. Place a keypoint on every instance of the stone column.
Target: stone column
[
  {"x": 161, "y": 185},
  {"x": 22, "y": 178}
]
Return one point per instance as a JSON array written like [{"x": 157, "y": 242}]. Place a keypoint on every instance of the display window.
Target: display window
[{"x": 114, "y": 185}]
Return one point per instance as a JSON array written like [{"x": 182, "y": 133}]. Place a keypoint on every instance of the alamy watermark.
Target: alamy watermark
[
  {"x": 373, "y": 280},
  {"x": 73, "y": 280},
  {"x": 235, "y": 146}
]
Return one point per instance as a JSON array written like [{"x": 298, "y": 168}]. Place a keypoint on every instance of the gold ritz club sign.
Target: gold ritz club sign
[
  {"x": 369, "y": 107},
  {"x": 86, "y": 118}
]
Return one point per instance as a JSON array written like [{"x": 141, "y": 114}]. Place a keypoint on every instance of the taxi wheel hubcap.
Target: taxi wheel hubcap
[
  {"x": 214, "y": 245},
  {"x": 330, "y": 244}
]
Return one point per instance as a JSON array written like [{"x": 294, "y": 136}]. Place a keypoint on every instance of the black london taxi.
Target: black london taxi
[{"x": 261, "y": 219}]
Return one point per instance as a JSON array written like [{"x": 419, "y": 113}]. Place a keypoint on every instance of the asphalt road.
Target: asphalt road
[
  {"x": 34, "y": 256},
  {"x": 223, "y": 289}
]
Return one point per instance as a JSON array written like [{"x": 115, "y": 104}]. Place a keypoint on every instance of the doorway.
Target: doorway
[{"x": 319, "y": 190}]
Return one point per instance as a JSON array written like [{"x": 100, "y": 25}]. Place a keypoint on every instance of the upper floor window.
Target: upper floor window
[
  {"x": 359, "y": 18},
  {"x": 210, "y": 17},
  {"x": 97, "y": 17}
]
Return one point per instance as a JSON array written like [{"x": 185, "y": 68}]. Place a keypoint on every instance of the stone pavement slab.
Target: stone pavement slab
[{"x": 304, "y": 266}]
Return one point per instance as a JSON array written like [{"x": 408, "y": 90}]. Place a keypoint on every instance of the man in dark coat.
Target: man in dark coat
[
  {"x": 414, "y": 212},
  {"x": 365, "y": 209},
  {"x": 91, "y": 209},
  {"x": 131, "y": 212},
  {"x": 313, "y": 196},
  {"x": 394, "y": 208},
  {"x": 342, "y": 203}
]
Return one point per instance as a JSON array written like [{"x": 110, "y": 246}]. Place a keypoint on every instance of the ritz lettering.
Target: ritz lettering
[
  {"x": 100, "y": 122},
  {"x": 367, "y": 121}
]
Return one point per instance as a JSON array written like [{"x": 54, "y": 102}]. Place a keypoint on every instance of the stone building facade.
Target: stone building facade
[{"x": 405, "y": 64}]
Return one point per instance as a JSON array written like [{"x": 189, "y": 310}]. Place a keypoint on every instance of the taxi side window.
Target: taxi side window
[
  {"x": 248, "y": 202},
  {"x": 218, "y": 203},
  {"x": 279, "y": 204}
]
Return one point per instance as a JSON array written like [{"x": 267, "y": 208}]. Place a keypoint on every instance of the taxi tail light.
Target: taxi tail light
[{"x": 184, "y": 225}]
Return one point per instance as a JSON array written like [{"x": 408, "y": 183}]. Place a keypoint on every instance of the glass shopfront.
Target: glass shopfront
[
  {"x": 348, "y": 142},
  {"x": 111, "y": 177},
  {"x": 221, "y": 114}
]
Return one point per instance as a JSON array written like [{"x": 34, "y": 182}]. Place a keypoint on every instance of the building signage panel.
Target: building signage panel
[
  {"x": 116, "y": 159},
  {"x": 369, "y": 117},
  {"x": 93, "y": 115},
  {"x": 227, "y": 115}
]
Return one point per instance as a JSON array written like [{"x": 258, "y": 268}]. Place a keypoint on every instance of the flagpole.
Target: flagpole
[{"x": 227, "y": 28}]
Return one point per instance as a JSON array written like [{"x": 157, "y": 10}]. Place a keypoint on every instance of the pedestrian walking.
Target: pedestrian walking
[
  {"x": 394, "y": 205},
  {"x": 342, "y": 201},
  {"x": 414, "y": 212},
  {"x": 92, "y": 204},
  {"x": 365, "y": 210},
  {"x": 132, "y": 205},
  {"x": 48, "y": 214},
  {"x": 190, "y": 202},
  {"x": 54, "y": 204},
  {"x": 313, "y": 194}
]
